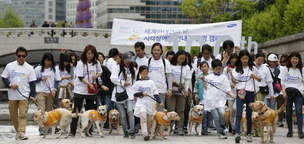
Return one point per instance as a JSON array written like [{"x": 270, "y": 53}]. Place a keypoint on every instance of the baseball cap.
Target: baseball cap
[
  {"x": 273, "y": 57},
  {"x": 127, "y": 56}
]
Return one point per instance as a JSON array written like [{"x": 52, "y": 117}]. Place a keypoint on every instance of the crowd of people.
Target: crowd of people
[{"x": 166, "y": 80}]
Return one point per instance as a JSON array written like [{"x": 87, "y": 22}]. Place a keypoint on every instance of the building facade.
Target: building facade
[{"x": 156, "y": 11}]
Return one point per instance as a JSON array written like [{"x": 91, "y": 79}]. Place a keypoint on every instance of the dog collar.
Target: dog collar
[{"x": 263, "y": 112}]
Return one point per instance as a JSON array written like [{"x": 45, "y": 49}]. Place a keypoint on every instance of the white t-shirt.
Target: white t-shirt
[
  {"x": 145, "y": 104},
  {"x": 142, "y": 61},
  {"x": 110, "y": 64},
  {"x": 81, "y": 71},
  {"x": 246, "y": 77},
  {"x": 119, "y": 81},
  {"x": 215, "y": 98},
  {"x": 62, "y": 82},
  {"x": 228, "y": 75},
  {"x": 266, "y": 76},
  {"x": 48, "y": 85},
  {"x": 292, "y": 78},
  {"x": 20, "y": 75},
  {"x": 197, "y": 68},
  {"x": 176, "y": 72},
  {"x": 157, "y": 73}
]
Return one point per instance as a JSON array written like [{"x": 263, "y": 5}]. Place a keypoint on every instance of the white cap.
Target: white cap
[{"x": 273, "y": 57}]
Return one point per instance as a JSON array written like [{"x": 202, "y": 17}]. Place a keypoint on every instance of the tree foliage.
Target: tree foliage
[{"x": 12, "y": 20}]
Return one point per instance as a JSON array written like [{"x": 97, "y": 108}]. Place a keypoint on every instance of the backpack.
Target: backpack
[{"x": 164, "y": 62}]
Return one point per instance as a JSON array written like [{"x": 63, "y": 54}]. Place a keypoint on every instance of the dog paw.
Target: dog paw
[
  {"x": 66, "y": 137},
  {"x": 262, "y": 141},
  {"x": 271, "y": 141},
  {"x": 102, "y": 136},
  {"x": 43, "y": 136},
  {"x": 110, "y": 132},
  {"x": 57, "y": 137},
  {"x": 83, "y": 136}
]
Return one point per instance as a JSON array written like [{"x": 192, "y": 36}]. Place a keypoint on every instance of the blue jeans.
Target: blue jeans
[
  {"x": 268, "y": 102},
  {"x": 219, "y": 116},
  {"x": 123, "y": 115},
  {"x": 105, "y": 98},
  {"x": 298, "y": 100},
  {"x": 206, "y": 120},
  {"x": 249, "y": 98}
]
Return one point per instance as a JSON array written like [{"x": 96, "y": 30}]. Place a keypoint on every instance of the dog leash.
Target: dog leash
[
  {"x": 26, "y": 97},
  {"x": 98, "y": 100},
  {"x": 216, "y": 87},
  {"x": 49, "y": 87},
  {"x": 154, "y": 100}
]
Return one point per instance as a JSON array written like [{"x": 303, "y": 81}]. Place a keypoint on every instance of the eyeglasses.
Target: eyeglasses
[
  {"x": 218, "y": 69},
  {"x": 19, "y": 56}
]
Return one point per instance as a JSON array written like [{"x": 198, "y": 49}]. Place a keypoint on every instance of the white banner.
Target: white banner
[{"x": 128, "y": 32}]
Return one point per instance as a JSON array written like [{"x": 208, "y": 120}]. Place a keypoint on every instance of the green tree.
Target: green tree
[
  {"x": 294, "y": 17},
  {"x": 59, "y": 24},
  {"x": 12, "y": 20},
  {"x": 199, "y": 10}
]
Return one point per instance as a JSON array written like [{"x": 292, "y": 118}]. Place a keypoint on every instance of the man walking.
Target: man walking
[{"x": 19, "y": 77}]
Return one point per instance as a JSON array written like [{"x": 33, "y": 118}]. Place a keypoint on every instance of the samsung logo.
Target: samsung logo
[{"x": 231, "y": 25}]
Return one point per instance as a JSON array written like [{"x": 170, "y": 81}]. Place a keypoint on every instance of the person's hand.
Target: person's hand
[
  {"x": 196, "y": 97},
  {"x": 135, "y": 98},
  {"x": 253, "y": 76},
  {"x": 127, "y": 83},
  {"x": 238, "y": 49},
  {"x": 232, "y": 85},
  {"x": 95, "y": 77},
  {"x": 105, "y": 88},
  {"x": 92, "y": 87},
  {"x": 33, "y": 100},
  {"x": 63, "y": 51},
  {"x": 232, "y": 96},
  {"x": 186, "y": 93},
  {"x": 145, "y": 93},
  {"x": 271, "y": 98},
  {"x": 202, "y": 77},
  {"x": 226, "y": 56},
  {"x": 66, "y": 77},
  {"x": 229, "y": 70},
  {"x": 284, "y": 95},
  {"x": 169, "y": 93},
  {"x": 174, "y": 81},
  {"x": 71, "y": 64},
  {"x": 161, "y": 104},
  {"x": 53, "y": 94},
  {"x": 14, "y": 86},
  {"x": 43, "y": 78}
]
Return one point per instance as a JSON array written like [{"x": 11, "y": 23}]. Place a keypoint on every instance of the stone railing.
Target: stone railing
[{"x": 54, "y": 32}]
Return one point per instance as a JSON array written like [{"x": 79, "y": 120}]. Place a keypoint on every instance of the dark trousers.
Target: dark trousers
[
  {"x": 186, "y": 114},
  {"x": 78, "y": 104},
  {"x": 280, "y": 102},
  {"x": 298, "y": 100}
]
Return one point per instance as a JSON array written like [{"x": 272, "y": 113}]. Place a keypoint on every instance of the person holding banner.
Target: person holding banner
[
  {"x": 228, "y": 46},
  {"x": 160, "y": 73},
  {"x": 20, "y": 78}
]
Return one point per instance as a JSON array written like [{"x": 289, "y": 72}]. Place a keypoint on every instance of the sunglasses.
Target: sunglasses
[{"x": 19, "y": 56}]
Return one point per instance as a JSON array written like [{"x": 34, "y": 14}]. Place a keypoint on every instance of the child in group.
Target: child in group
[
  {"x": 217, "y": 86},
  {"x": 198, "y": 93},
  {"x": 145, "y": 90},
  {"x": 244, "y": 75},
  {"x": 231, "y": 102}
]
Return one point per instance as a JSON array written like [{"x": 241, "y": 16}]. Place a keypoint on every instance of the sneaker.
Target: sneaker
[
  {"x": 280, "y": 124},
  {"x": 41, "y": 132},
  {"x": 146, "y": 137},
  {"x": 237, "y": 138},
  {"x": 132, "y": 135},
  {"x": 213, "y": 127},
  {"x": 126, "y": 134},
  {"x": 205, "y": 131},
  {"x": 181, "y": 132},
  {"x": 233, "y": 132},
  {"x": 17, "y": 136},
  {"x": 57, "y": 130},
  {"x": 300, "y": 135},
  {"x": 136, "y": 128},
  {"x": 222, "y": 136},
  {"x": 185, "y": 130},
  {"x": 175, "y": 130},
  {"x": 289, "y": 134},
  {"x": 22, "y": 136},
  {"x": 249, "y": 138},
  {"x": 265, "y": 129},
  {"x": 225, "y": 130}
]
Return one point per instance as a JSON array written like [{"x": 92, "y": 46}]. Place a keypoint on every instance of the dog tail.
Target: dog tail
[
  {"x": 282, "y": 107},
  {"x": 74, "y": 115}
]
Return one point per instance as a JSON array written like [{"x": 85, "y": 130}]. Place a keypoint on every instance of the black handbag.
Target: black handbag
[
  {"x": 178, "y": 89},
  {"x": 121, "y": 96},
  {"x": 292, "y": 92},
  {"x": 264, "y": 90}
]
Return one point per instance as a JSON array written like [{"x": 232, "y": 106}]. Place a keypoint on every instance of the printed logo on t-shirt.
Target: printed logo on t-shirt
[
  {"x": 17, "y": 74},
  {"x": 123, "y": 78},
  {"x": 243, "y": 78},
  {"x": 215, "y": 83},
  {"x": 158, "y": 69},
  {"x": 90, "y": 72},
  {"x": 144, "y": 89},
  {"x": 62, "y": 74},
  {"x": 47, "y": 76},
  {"x": 292, "y": 78},
  {"x": 175, "y": 73}
]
